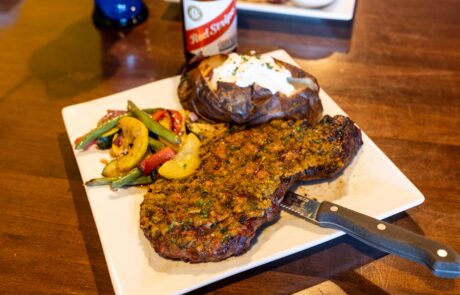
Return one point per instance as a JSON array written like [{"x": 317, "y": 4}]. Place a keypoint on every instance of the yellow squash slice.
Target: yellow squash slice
[
  {"x": 186, "y": 161},
  {"x": 134, "y": 144}
]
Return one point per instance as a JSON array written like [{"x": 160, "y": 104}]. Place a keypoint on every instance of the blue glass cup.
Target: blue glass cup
[{"x": 119, "y": 13}]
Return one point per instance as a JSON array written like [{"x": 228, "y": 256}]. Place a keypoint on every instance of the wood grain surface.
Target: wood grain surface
[{"x": 395, "y": 70}]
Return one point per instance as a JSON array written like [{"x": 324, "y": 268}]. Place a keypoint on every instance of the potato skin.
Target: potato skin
[{"x": 251, "y": 105}]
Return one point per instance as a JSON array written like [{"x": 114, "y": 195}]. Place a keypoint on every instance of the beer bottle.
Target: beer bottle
[{"x": 209, "y": 27}]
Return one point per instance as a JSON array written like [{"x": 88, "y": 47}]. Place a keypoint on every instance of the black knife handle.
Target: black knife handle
[{"x": 441, "y": 259}]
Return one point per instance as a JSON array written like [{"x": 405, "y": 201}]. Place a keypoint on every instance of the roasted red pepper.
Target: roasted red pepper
[
  {"x": 164, "y": 118},
  {"x": 156, "y": 160},
  {"x": 158, "y": 115},
  {"x": 176, "y": 121},
  {"x": 167, "y": 121}
]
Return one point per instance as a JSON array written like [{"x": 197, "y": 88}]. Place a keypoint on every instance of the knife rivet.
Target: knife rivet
[
  {"x": 381, "y": 226},
  {"x": 442, "y": 253},
  {"x": 334, "y": 208}
]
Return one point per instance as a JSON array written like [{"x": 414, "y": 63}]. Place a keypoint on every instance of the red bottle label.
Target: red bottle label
[{"x": 210, "y": 26}]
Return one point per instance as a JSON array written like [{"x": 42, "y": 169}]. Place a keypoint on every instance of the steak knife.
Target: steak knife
[{"x": 441, "y": 259}]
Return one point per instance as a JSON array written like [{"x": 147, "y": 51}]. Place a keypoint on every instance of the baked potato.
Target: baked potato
[{"x": 215, "y": 95}]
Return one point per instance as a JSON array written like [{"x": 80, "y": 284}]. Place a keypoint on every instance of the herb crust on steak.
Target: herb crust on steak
[{"x": 240, "y": 184}]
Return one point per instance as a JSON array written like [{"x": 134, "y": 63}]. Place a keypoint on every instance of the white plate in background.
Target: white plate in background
[
  {"x": 372, "y": 185},
  {"x": 338, "y": 10},
  {"x": 312, "y": 3}
]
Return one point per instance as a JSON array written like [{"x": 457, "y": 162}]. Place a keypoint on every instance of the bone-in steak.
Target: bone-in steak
[{"x": 243, "y": 177}]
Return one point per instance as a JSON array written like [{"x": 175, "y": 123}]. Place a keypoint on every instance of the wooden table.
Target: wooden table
[{"x": 395, "y": 70}]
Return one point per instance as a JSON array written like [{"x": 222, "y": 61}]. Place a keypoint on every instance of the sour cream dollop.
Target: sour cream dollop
[{"x": 244, "y": 70}]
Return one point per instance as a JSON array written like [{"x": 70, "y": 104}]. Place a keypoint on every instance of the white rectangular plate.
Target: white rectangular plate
[
  {"x": 372, "y": 185},
  {"x": 338, "y": 10}
]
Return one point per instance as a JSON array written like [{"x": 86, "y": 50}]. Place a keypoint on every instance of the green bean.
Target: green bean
[
  {"x": 109, "y": 180},
  {"x": 96, "y": 132},
  {"x": 153, "y": 125},
  {"x": 100, "y": 181},
  {"x": 156, "y": 144},
  {"x": 142, "y": 180},
  {"x": 126, "y": 179},
  {"x": 150, "y": 110}
]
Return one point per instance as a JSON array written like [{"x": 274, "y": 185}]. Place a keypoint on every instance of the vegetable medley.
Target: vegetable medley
[{"x": 144, "y": 144}]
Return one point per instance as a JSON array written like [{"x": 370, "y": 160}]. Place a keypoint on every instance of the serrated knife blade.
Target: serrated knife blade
[{"x": 300, "y": 205}]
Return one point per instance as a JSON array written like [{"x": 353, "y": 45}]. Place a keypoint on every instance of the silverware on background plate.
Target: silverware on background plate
[{"x": 441, "y": 259}]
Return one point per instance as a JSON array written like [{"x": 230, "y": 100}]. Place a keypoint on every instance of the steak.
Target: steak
[{"x": 240, "y": 184}]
